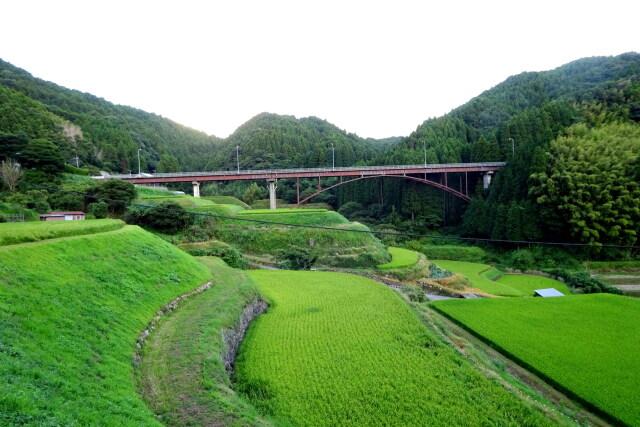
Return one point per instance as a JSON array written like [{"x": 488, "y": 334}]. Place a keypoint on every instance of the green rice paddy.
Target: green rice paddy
[
  {"x": 337, "y": 349},
  {"x": 587, "y": 345}
]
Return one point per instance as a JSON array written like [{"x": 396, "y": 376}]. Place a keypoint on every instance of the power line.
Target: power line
[{"x": 320, "y": 227}]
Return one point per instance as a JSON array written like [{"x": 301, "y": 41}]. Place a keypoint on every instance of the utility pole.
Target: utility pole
[
  {"x": 424, "y": 143},
  {"x": 139, "y": 150},
  {"x": 333, "y": 157},
  {"x": 238, "y": 157},
  {"x": 513, "y": 147}
]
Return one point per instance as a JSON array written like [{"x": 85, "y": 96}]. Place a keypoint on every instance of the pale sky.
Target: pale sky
[{"x": 374, "y": 68}]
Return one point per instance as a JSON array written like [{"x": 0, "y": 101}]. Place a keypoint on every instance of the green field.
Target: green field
[
  {"x": 71, "y": 311},
  {"x": 217, "y": 209},
  {"x": 320, "y": 217},
  {"x": 337, "y": 349},
  {"x": 400, "y": 258},
  {"x": 227, "y": 200},
  {"x": 182, "y": 376},
  {"x": 281, "y": 211},
  {"x": 22, "y": 232},
  {"x": 588, "y": 345},
  {"x": 480, "y": 275},
  {"x": 527, "y": 284}
]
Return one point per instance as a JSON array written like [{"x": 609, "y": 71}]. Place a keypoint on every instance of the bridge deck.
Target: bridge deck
[{"x": 309, "y": 172}]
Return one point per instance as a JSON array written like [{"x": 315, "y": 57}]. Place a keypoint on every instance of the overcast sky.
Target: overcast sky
[{"x": 374, "y": 68}]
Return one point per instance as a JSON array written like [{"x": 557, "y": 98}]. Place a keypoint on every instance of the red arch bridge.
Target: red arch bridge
[{"x": 435, "y": 175}]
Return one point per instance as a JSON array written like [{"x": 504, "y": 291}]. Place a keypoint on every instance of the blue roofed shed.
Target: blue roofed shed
[{"x": 549, "y": 292}]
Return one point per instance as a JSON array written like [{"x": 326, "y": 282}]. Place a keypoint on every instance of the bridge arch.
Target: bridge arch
[{"x": 413, "y": 178}]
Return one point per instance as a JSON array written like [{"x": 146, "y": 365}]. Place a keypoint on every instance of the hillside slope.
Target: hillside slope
[
  {"x": 70, "y": 313},
  {"x": 99, "y": 132}
]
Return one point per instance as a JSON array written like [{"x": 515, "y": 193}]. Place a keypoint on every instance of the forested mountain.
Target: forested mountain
[
  {"x": 100, "y": 133},
  {"x": 591, "y": 104},
  {"x": 274, "y": 141},
  {"x": 515, "y": 121}
]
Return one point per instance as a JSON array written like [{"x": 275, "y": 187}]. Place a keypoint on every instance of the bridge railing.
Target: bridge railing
[{"x": 426, "y": 168}]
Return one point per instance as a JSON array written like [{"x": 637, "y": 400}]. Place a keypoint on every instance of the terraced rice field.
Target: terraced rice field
[
  {"x": 480, "y": 276},
  {"x": 337, "y": 349},
  {"x": 588, "y": 345},
  {"x": 401, "y": 258},
  {"x": 22, "y": 232}
]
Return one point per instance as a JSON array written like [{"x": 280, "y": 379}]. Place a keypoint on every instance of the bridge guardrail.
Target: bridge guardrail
[{"x": 424, "y": 167}]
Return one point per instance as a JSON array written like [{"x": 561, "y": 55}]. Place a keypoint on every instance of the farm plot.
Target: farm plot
[
  {"x": 337, "y": 349},
  {"x": 588, "y": 345},
  {"x": 401, "y": 258},
  {"x": 22, "y": 232},
  {"x": 480, "y": 276}
]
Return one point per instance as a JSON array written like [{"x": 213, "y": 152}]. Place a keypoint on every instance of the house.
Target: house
[
  {"x": 550, "y": 292},
  {"x": 63, "y": 216}
]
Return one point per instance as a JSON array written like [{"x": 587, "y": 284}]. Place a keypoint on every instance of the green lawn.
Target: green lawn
[
  {"x": 338, "y": 349},
  {"x": 401, "y": 258},
  {"x": 480, "y": 275},
  {"x": 71, "y": 311},
  {"x": 182, "y": 376},
  {"x": 588, "y": 345},
  {"x": 22, "y": 232}
]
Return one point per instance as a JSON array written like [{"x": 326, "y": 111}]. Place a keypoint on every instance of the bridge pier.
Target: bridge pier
[
  {"x": 196, "y": 188},
  {"x": 486, "y": 179},
  {"x": 272, "y": 192}
]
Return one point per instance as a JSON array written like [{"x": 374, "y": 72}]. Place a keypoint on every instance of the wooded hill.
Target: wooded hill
[{"x": 525, "y": 120}]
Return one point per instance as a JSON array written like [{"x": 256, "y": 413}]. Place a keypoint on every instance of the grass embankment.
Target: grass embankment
[
  {"x": 282, "y": 204},
  {"x": 227, "y": 200},
  {"x": 71, "y": 311},
  {"x": 337, "y": 349},
  {"x": 182, "y": 376},
  {"x": 587, "y": 345},
  {"x": 336, "y": 248},
  {"x": 400, "y": 258},
  {"x": 23, "y": 232},
  {"x": 197, "y": 204},
  {"x": 511, "y": 285}
]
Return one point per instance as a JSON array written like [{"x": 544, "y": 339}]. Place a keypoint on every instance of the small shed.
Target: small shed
[
  {"x": 549, "y": 292},
  {"x": 63, "y": 216}
]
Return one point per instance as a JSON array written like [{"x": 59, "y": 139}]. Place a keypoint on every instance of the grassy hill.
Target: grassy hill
[
  {"x": 347, "y": 244},
  {"x": 71, "y": 310}
]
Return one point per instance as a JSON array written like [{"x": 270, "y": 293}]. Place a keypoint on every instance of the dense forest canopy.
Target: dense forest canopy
[{"x": 529, "y": 120}]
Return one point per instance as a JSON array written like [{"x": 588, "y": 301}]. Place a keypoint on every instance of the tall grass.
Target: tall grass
[{"x": 182, "y": 376}]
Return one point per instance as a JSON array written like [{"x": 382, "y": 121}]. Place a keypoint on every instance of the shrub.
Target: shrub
[
  {"x": 296, "y": 258},
  {"x": 168, "y": 217},
  {"x": 584, "y": 283},
  {"x": 99, "y": 209}
]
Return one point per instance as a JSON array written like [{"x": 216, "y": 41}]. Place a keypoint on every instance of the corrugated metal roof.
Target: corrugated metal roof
[{"x": 549, "y": 292}]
